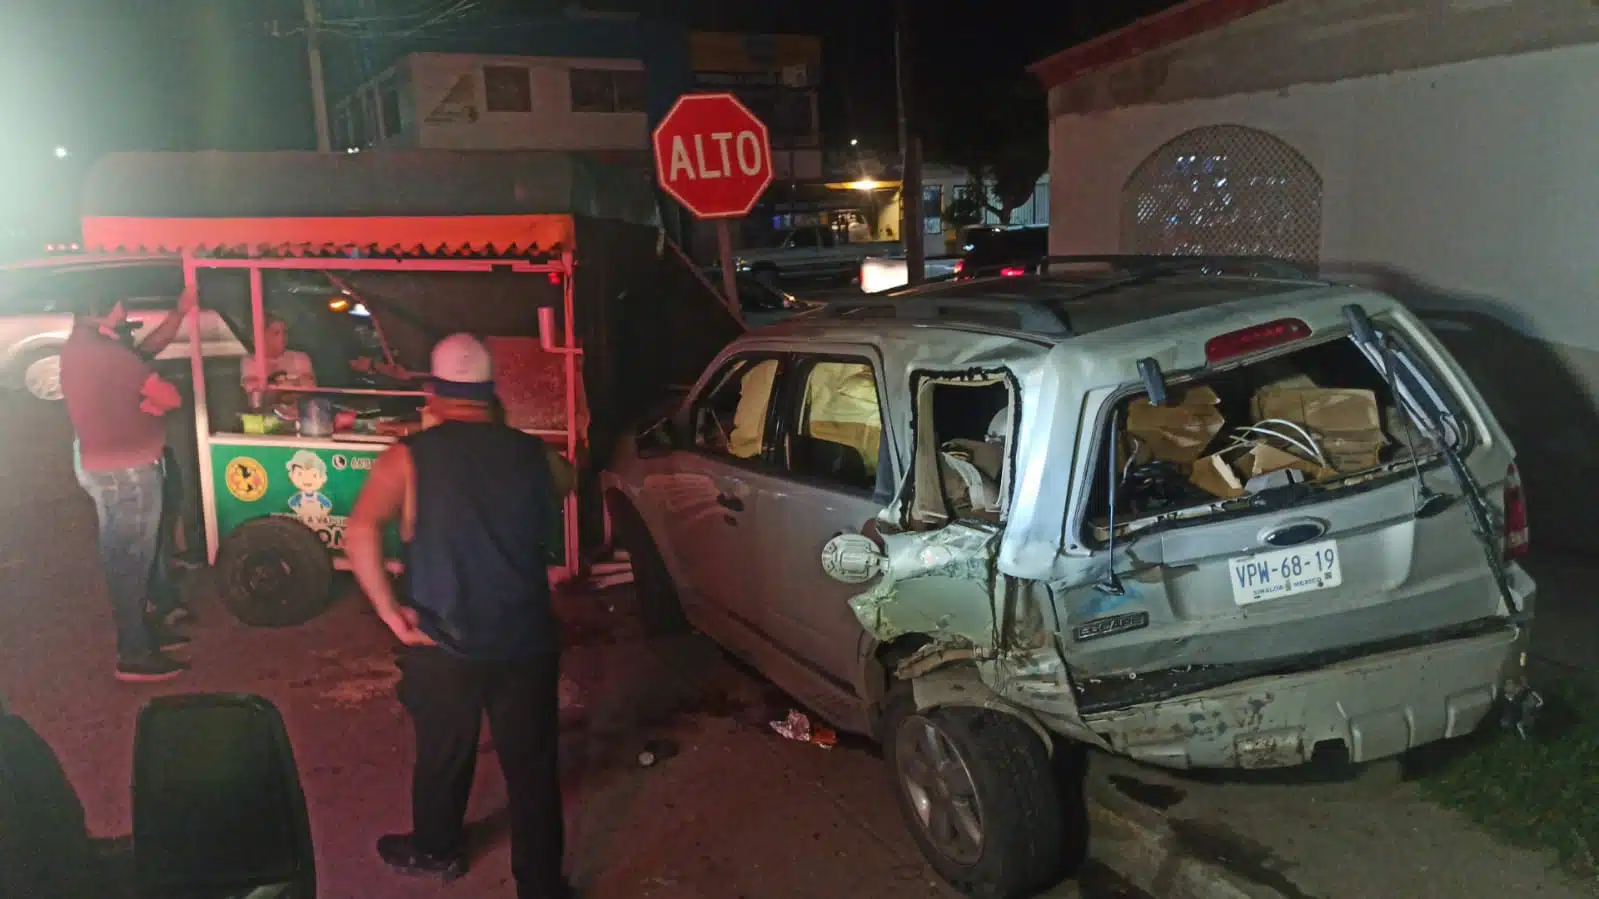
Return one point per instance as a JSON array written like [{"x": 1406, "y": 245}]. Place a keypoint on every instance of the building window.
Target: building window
[
  {"x": 630, "y": 91},
  {"x": 607, "y": 90},
  {"x": 933, "y": 209},
  {"x": 389, "y": 109},
  {"x": 507, "y": 89},
  {"x": 789, "y": 115}
]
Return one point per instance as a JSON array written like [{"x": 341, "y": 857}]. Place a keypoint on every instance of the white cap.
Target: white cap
[{"x": 462, "y": 368}]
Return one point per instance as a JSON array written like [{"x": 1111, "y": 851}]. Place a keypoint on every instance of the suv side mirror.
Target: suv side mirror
[{"x": 218, "y": 809}]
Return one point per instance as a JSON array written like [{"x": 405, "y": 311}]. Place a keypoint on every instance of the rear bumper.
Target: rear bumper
[{"x": 1377, "y": 706}]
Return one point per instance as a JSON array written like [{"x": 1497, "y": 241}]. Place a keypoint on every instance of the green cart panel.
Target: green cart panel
[{"x": 317, "y": 486}]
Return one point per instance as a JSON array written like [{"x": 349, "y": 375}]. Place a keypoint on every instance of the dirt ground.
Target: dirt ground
[{"x": 738, "y": 812}]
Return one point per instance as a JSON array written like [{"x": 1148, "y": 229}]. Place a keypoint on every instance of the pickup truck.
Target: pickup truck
[{"x": 810, "y": 252}]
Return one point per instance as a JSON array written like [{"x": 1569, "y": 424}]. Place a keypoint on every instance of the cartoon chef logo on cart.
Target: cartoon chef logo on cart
[{"x": 309, "y": 474}]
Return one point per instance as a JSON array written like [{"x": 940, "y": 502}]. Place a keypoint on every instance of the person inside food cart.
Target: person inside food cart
[{"x": 284, "y": 368}]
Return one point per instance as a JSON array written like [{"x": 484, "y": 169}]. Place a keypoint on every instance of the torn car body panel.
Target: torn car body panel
[
  {"x": 989, "y": 564},
  {"x": 1107, "y": 632}
]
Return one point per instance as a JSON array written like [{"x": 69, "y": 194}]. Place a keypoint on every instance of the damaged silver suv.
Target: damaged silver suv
[{"x": 1200, "y": 512}]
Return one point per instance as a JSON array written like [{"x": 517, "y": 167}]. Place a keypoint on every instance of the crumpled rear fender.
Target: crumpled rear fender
[{"x": 986, "y": 640}]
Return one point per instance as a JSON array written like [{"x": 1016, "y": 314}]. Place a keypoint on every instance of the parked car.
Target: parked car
[
  {"x": 985, "y": 250},
  {"x": 811, "y": 252},
  {"x": 884, "y": 273},
  {"x": 1197, "y": 512},
  {"x": 39, "y": 298}
]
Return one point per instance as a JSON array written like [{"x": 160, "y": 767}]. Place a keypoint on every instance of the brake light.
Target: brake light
[
  {"x": 1255, "y": 339},
  {"x": 1517, "y": 537},
  {"x": 959, "y": 264},
  {"x": 1012, "y": 272}
]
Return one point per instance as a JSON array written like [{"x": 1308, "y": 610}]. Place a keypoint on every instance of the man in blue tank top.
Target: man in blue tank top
[{"x": 475, "y": 502}]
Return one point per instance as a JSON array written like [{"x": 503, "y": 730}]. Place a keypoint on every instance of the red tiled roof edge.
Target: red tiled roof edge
[{"x": 1143, "y": 36}]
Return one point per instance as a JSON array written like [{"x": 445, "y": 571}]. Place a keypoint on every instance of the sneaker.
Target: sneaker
[
  {"x": 179, "y": 615},
  {"x": 166, "y": 639},
  {"x": 154, "y": 667},
  {"x": 398, "y": 851}
]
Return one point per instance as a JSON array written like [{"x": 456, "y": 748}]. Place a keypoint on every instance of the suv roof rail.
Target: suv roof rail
[{"x": 1142, "y": 266}]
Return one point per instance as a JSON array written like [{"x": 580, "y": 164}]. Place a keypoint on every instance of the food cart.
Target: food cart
[{"x": 274, "y": 492}]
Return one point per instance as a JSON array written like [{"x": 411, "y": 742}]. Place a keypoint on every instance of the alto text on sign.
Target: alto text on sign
[{"x": 713, "y": 156}]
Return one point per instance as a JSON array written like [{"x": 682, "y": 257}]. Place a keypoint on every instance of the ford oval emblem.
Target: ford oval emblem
[{"x": 1294, "y": 534}]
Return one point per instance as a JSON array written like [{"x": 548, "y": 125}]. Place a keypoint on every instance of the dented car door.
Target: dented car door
[
  {"x": 709, "y": 496},
  {"x": 837, "y": 471}
]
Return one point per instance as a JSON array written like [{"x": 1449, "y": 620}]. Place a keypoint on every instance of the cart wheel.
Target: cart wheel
[{"x": 274, "y": 572}]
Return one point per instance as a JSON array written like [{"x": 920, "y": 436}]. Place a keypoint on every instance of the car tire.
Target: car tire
[
  {"x": 38, "y": 374},
  {"x": 274, "y": 572},
  {"x": 659, "y": 605},
  {"x": 1012, "y": 802}
]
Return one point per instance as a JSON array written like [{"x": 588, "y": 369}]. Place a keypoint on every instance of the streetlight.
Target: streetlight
[
  {"x": 61, "y": 153},
  {"x": 854, "y": 142}
]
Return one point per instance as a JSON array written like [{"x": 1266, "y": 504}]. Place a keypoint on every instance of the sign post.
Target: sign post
[
  {"x": 724, "y": 253},
  {"x": 715, "y": 157}
]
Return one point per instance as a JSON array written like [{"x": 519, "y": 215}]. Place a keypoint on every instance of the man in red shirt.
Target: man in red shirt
[{"x": 116, "y": 403}]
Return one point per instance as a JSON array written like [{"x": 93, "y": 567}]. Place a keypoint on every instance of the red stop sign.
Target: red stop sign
[{"x": 713, "y": 155}]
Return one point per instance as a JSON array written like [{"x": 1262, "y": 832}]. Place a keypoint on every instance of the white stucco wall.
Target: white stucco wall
[
  {"x": 552, "y": 125},
  {"x": 1470, "y": 191},
  {"x": 1478, "y": 178}
]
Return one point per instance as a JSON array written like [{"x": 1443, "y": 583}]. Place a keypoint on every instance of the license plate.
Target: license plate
[{"x": 1285, "y": 572}]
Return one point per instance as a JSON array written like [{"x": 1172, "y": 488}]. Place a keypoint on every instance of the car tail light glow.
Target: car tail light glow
[
  {"x": 1254, "y": 339},
  {"x": 959, "y": 264},
  {"x": 1517, "y": 536},
  {"x": 1012, "y": 271}
]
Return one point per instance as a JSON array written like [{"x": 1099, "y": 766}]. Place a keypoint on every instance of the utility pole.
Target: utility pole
[
  {"x": 911, "y": 218},
  {"x": 319, "y": 98}
]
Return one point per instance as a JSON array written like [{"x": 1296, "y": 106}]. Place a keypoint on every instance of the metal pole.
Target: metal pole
[
  {"x": 313, "y": 52},
  {"x": 202, "y": 415},
  {"x": 724, "y": 249},
  {"x": 910, "y": 178}
]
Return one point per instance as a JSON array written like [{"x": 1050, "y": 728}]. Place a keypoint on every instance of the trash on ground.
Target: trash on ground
[
  {"x": 613, "y": 573},
  {"x": 798, "y": 727},
  {"x": 656, "y": 751},
  {"x": 571, "y": 696},
  {"x": 611, "y": 580}
]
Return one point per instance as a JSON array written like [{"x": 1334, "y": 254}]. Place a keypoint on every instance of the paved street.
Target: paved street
[{"x": 739, "y": 812}]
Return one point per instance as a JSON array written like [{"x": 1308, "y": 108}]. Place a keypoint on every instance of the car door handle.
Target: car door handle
[{"x": 730, "y": 502}]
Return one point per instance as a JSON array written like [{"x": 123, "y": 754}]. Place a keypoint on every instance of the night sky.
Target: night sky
[{"x": 102, "y": 75}]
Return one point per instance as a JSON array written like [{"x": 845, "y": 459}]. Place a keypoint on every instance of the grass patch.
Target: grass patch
[{"x": 1541, "y": 793}]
